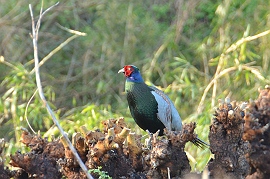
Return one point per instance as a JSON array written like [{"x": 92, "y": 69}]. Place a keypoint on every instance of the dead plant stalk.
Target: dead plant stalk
[{"x": 35, "y": 29}]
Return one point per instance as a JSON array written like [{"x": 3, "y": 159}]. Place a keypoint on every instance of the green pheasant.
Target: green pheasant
[{"x": 151, "y": 109}]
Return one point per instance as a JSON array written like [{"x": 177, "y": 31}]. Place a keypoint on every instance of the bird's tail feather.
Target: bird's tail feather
[{"x": 200, "y": 143}]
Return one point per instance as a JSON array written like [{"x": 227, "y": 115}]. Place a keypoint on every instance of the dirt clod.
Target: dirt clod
[
  {"x": 257, "y": 132},
  {"x": 41, "y": 161},
  {"x": 226, "y": 143}
]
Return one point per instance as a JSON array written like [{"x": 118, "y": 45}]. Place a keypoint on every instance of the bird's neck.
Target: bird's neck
[
  {"x": 133, "y": 81},
  {"x": 131, "y": 85},
  {"x": 136, "y": 78}
]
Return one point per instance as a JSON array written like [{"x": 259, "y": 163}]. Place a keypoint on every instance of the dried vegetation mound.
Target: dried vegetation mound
[{"x": 121, "y": 153}]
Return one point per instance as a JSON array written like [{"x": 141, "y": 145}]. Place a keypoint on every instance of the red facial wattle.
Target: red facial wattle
[{"x": 128, "y": 70}]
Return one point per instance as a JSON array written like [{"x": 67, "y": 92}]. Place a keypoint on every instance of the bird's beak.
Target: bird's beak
[{"x": 121, "y": 71}]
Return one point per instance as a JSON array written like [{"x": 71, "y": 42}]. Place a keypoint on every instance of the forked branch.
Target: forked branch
[{"x": 35, "y": 30}]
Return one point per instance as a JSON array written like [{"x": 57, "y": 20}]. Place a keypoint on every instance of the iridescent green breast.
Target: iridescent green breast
[{"x": 143, "y": 106}]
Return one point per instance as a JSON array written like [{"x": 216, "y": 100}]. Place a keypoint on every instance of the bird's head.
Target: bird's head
[{"x": 132, "y": 73}]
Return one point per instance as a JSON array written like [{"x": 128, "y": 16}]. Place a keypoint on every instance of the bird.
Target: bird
[{"x": 150, "y": 107}]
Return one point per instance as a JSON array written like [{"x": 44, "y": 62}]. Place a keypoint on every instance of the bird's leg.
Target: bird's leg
[
  {"x": 155, "y": 135},
  {"x": 152, "y": 138},
  {"x": 148, "y": 141}
]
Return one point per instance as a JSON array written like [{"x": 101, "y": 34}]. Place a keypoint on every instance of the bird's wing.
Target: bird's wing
[
  {"x": 167, "y": 112},
  {"x": 164, "y": 108}
]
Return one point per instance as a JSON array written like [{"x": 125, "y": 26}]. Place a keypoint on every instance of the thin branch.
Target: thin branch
[
  {"x": 26, "y": 109},
  {"x": 246, "y": 39},
  {"x": 72, "y": 31},
  {"x": 156, "y": 56},
  {"x": 214, "y": 94},
  {"x": 40, "y": 90},
  {"x": 2, "y": 60},
  {"x": 42, "y": 14},
  {"x": 59, "y": 47},
  {"x": 255, "y": 72},
  {"x": 223, "y": 72},
  {"x": 38, "y": 23},
  {"x": 200, "y": 107},
  {"x": 54, "y": 51},
  {"x": 169, "y": 173}
]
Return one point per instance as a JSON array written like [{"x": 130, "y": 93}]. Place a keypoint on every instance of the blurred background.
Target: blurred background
[{"x": 196, "y": 51}]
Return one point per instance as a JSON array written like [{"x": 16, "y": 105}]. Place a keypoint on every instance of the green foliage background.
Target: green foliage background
[{"x": 180, "y": 46}]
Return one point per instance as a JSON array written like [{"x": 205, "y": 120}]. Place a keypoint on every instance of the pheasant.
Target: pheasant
[{"x": 151, "y": 109}]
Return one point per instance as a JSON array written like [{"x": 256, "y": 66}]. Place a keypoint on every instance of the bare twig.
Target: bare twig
[
  {"x": 26, "y": 109},
  {"x": 157, "y": 54},
  {"x": 54, "y": 51},
  {"x": 41, "y": 15},
  {"x": 200, "y": 107},
  {"x": 2, "y": 60},
  {"x": 246, "y": 39},
  {"x": 35, "y": 29},
  {"x": 169, "y": 173},
  {"x": 59, "y": 47},
  {"x": 75, "y": 32}
]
